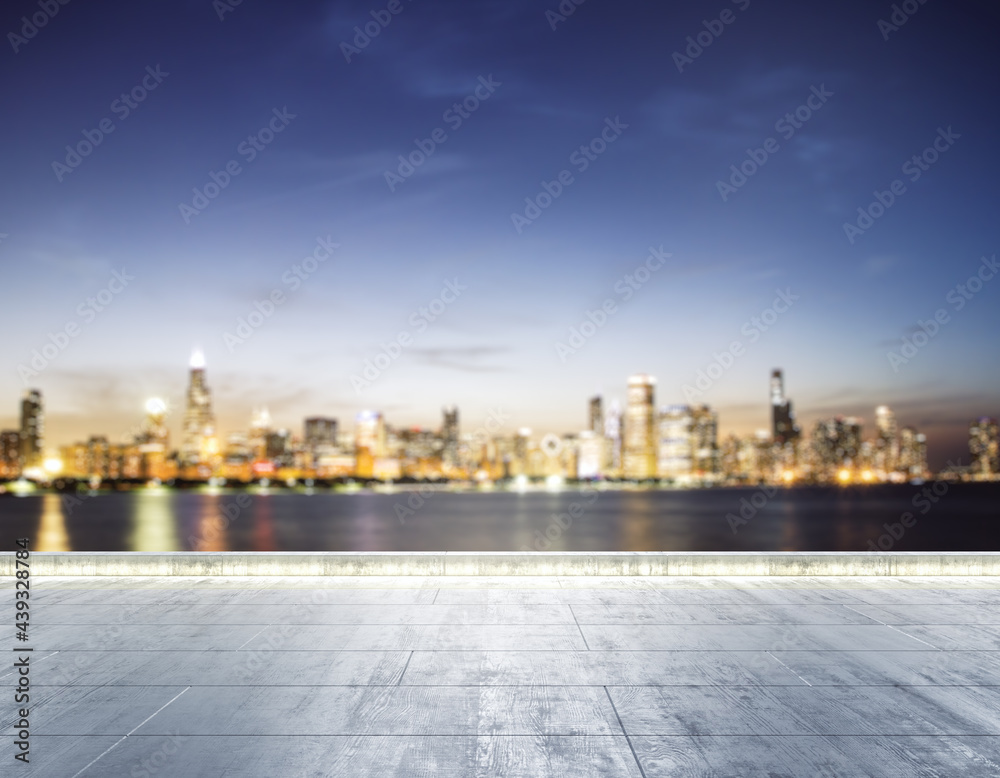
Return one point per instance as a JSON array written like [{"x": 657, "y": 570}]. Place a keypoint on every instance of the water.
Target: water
[{"x": 965, "y": 518}]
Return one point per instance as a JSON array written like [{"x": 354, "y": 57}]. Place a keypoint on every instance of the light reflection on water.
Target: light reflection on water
[{"x": 801, "y": 519}]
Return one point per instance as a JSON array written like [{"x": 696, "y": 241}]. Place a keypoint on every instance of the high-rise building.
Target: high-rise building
[
  {"x": 590, "y": 457},
  {"x": 836, "y": 444},
  {"x": 984, "y": 448},
  {"x": 369, "y": 433},
  {"x": 705, "y": 442},
  {"x": 675, "y": 453},
  {"x": 449, "y": 436},
  {"x": 639, "y": 441},
  {"x": 912, "y": 453},
  {"x": 886, "y": 441},
  {"x": 32, "y": 429},
  {"x": 596, "y": 416},
  {"x": 320, "y": 431},
  {"x": 783, "y": 427},
  {"x": 199, "y": 420},
  {"x": 613, "y": 434},
  {"x": 10, "y": 453}
]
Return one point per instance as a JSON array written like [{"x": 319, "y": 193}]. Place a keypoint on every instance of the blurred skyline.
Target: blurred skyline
[{"x": 327, "y": 171}]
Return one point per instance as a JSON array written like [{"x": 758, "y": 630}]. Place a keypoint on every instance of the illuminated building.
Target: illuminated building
[
  {"x": 449, "y": 436},
  {"x": 886, "y": 453},
  {"x": 704, "y": 442},
  {"x": 675, "y": 456},
  {"x": 278, "y": 448},
  {"x": 984, "y": 447},
  {"x": 10, "y": 453},
  {"x": 260, "y": 428},
  {"x": 369, "y": 433},
  {"x": 639, "y": 441},
  {"x": 199, "y": 421},
  {"x": 320, "y": 431},
  {"x": 596, "y": 416},
  {"x": 32, "y": 429},
  {"x": 836, "y": 446},
  {"x": 613, "y": 434},
  {"x": 784, "y": 430},
  {"x": 591, "y": 455},
  {"x": 912, "y": 453},
  {"x": 154, "y": 441}
]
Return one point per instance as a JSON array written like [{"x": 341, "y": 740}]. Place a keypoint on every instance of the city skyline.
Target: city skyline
[
  {"x": 529, "y": 204},
  {"x": 641, "y": 423}
]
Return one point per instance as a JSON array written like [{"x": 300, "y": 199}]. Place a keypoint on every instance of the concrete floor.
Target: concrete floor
[{"x": 575, "y": 676}]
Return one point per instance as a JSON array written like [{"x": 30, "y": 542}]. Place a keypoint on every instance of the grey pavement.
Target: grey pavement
[{"x": 574, "y": 676}]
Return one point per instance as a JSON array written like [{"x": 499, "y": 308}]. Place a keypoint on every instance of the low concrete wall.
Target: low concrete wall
[{"x": 512, "y": 563}]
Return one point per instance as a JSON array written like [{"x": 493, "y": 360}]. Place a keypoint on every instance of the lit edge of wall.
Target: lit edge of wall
[{"x": 539, "y": 563}]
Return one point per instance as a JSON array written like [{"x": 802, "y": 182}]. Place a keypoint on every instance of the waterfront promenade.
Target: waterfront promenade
[{"x": 511, "y": 675}]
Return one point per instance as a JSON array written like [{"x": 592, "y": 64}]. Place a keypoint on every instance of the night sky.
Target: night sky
[{"x": 672, "y": 128}]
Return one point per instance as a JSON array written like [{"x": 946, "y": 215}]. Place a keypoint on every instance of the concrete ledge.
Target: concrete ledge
[{"x": 541, "y": 563}]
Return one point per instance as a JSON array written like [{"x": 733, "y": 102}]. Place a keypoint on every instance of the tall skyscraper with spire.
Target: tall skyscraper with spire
[
  {"x": 199, "y": 420},
  {"x": 32, "y": 429},
  {"x": 783, "y": 427}
]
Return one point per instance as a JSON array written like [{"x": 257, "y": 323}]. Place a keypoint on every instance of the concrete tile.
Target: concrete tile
[
  {"x": 450, "y": 637},
  {"x": 685, "y": 615},
  {"x": 148, "y": 637},
  {"x": 594, "y": 668},
  {"x": 626, "y": 637},
  {"x": 451, "y": 711}
]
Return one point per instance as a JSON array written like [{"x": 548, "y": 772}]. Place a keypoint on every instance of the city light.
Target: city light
[{"x": 645, "y": 444}]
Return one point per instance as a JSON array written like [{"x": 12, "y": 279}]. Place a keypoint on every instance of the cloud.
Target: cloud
[{"x": 461, "y": 358}]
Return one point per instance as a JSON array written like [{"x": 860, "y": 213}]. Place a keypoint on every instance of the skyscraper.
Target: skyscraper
[
  {"x": 369, "y": 433},
  {"x": 10, "y": 453},
  {"x": 783, "y": 427},
  {"x": 675, "y": 455},
  {"x": 596, "y": 416},
  {"x": 639, "y": 442},
  {"x": 887, "y": 440},
  {"x": 449, "y": 436},
  {"x": 320, "y": 431},
  {"x": 984, "y": 447},
  {"x": 705, "y": 441},
  {"x": 32, "y": 429},
  {"x": 912, "y": 453},
  {"x": 199, "y": 421}
]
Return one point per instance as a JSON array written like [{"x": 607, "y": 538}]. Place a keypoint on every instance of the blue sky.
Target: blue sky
[{"x": 323, "y": 176}]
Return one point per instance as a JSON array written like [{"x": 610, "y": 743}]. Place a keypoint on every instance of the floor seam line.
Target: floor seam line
[
  {"x": 577, "y": 621},
  {"x": 122, "y": 740},
  {"x": 628, "y": 740}
]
